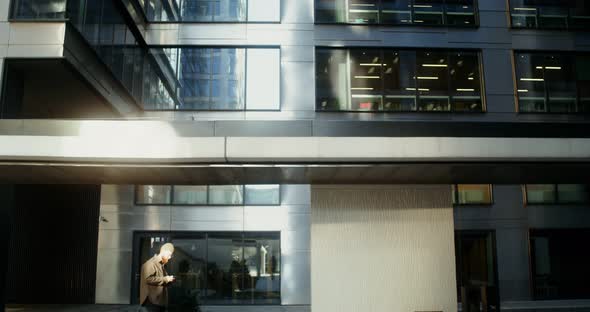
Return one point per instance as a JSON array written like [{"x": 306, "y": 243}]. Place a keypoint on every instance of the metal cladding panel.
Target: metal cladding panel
[{"x": 54, "y": 244}]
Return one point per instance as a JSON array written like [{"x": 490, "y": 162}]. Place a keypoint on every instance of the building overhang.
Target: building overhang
[{"x": 157, "y": 152}]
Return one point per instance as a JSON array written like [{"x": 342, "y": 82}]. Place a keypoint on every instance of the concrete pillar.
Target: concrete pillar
[{"x": 382, "y": 248}]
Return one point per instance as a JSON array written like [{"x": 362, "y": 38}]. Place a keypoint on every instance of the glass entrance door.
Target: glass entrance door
[{"x": 477, "y": 279}]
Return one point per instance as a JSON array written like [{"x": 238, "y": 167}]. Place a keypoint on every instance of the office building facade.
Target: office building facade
[{"x": 327, "y": 155}]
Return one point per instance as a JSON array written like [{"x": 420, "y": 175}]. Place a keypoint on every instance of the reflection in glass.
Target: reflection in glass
[
  {"x": 573, "y": 193},
  {"x": 332, "y": 79},
  {"x": 428, "y": 12},
  {"x": 460, "y": 12},
  {"x": 153, "y": 194},
  {"x": 432, "y": 73},
  {"x": 262, "y": 194},
  {"x": 212, "y": 78},
  {"x": 398, "y": 80},
  {"x": 541, "y": 193},
  {"x": 226, "y": 195},
  {"x": 225, "y": 268},
  {"x": 396, "y": 12},
  {"x": 189, "y": 266},
  {"x": 365, "y": 79},
  {"x": 363, "y": 11},
  {"x": 190, "y": 194},
  {"x": 550, "y": 82},
  {"x": 583, "y": 79},
  {"x": 559, "y": 263},
  {"x": 39, "y": 9},
  {"x": 263, "y": 269},
  {"x": 331, "y": 11},
  {"x": 550, "y": 14},
  {"x": 465, "y": 194}
]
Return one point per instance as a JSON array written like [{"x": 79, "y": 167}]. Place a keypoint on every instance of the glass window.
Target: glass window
[
  {"x": 262, "y": 194},
  {"x": 432, "y": 73},
  {"x": 213, "y": 10},
  {"x": 190, "y": 194},
  {"x": 550, "y": 82},
  {"x": 39, "y": 9},
  {"x": 541, "y": 193},
  {"x": 583, "y": 79},
  {"x": 398, "y": 80},
  {"x": 226, "y": 195},
  {"x": 332, "y": 79},
  {"x": 153, "y": 194},
  {"x": 397, "y": 12},
  {"x": 225, "y": 268},
  {"x": 572, "y": 193},
  {"x": 218, "y": 268},
  {"x": 559, "y": 263},
  {"x": 262, "y": 259},
  {"x": 466, "y": 194},
  {"x": 212, "y": 78},
  {"x": 550, "y": 14}
]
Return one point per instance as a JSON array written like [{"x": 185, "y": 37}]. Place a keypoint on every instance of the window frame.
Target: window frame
[
  {"x": 575, "y": 55},
  {"x": 455, "y": 187},
  {"x": 417, "y": 111},
  {"x": 556, "y": 202},
  {"x": 475, "y": 15},
  {"x": 512, "y": 27},
  {"x": 170, "y": 235},
  {"x": 172, "y": 203}
]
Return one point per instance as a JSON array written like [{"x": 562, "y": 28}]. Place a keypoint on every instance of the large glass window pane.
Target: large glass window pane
[
  {"x": 39, "y": 9},
  {"x": 399, "y": 80},
  {"x": 366, "y": 79},
  {"x": 580, "y": 14},
  {"x": 523, "y": 13},
  {"x": 572, "y": 193},
  {"x": 433, "y": 81},
  {"x": 465, "y": 82},
  {"x": 559, "y": 263},
  {"x": 560, "y": 82},
  {"x": 226, "y": 195},
  {"x": 466, "y": 194},
  {"x": 213, "y": 10},
  {"x": 225, "y": 268},
  {"x": 330, "y": 11},
  {"x": 428, "y": 12},
  {"x": 363, "y": 11},
  {"x": 262, "y": 257},
  {"x": 190, "y": 194},
  {"x": 153, "y": 194},
  {"x": 460, "y": 12},
  {"x": 189, "y": 267},
  {"x": 332, "y": 79},
  {"x": 262, "y": 194},
  {"x": 530, "y": 82},
  {"x": 583, "y": 79},
  {"x": 396, "y": 12},
  {"x": 541, "y": 193}
]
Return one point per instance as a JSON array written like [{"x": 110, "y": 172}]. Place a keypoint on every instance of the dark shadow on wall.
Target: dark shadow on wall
[
  {"x": 6, "y": 205},
  {"x": 53, "y": 244}
]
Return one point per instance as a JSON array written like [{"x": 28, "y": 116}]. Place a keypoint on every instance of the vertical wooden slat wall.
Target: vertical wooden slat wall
[{"x": 53, "y": 245}]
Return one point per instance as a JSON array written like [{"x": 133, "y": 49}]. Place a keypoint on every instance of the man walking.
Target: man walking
[{"x": 153, "y": 293}]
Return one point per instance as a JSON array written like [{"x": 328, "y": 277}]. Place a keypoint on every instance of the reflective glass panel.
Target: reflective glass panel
[
  {"x": 189, "y": 267},
  {"x": 330, "y": 11},
  {"x": 225, "y": 268},
  {"x": 572, "y": 193},
  {"x": 396, "y": 12},
  {"x": 39, "y": 9},
  {"x": 363, "y": 11},
  {"x": 399, "y": 80},
  {"x": 332, "y": 79},
  {"x": 153, "y": 194},
  {"x": 550, "y": 14},
  {"x": 262, "y": 258},
  {"x": 432, "y": 73},
  {"x": 262, "y": 194},
  {"x": 583, "y": 80},
  {"x": 465, "y": 82},
  {"x": 190, "y": 194},
  {"x": 460, "y": 12},
  {"x": 473, "y": 194},
  {"x": 541, "y": 193},
  {"x": 428, "y": 12},
  {"x": 531, "y": 82},
  {"x": 365, "y": 80},
  {"x": 226, "y": 195}
]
